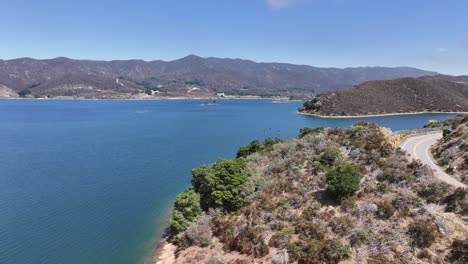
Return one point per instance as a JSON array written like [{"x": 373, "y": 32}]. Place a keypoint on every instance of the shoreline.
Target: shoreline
[
  {"x": 377, "y": 115},
  {"x": 147, "y": 99},
  {"x": 164, "y": 253}
]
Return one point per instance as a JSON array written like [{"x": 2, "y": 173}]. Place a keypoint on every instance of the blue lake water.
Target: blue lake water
[{"x": 92, "y": 181}]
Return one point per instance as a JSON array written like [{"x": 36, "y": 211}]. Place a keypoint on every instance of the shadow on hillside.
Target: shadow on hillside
[{"x": 324, "y": 199}]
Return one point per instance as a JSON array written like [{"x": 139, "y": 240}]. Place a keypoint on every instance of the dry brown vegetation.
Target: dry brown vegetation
[
  {"x": 400, "y": 214},
  {"x": 451, "y": 152}
]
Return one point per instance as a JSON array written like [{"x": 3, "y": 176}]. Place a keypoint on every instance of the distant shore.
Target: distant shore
[
  {"x": 156, "y": 98},
  {"x": 376, "y": 115}
]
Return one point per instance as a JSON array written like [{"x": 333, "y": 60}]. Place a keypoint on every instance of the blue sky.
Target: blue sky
[{"x": 429, "y": 34}]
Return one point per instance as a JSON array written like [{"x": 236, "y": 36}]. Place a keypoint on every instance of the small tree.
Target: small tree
[
  {"x": 221, "y": 184},
  {"x": 186, "y": 210},
  {"x": 251, "y": 148},
  {"x": 343, "y": 181}
]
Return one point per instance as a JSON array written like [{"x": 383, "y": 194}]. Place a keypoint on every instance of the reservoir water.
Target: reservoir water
[{"x": 92, "y": 181}]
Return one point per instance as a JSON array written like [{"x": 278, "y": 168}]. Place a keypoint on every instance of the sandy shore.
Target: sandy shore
[
  {"x": 166, "y": 254},
  {"x": 391, "y": 114}
]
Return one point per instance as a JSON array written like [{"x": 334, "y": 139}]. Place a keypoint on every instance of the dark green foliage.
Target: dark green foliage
[
  {"x": 220, "y": 184},
  {"x": 307, "y": 130},
  {"x": 251, "y": 148},
  {"x": 312, "y": 105},
  {"x": 346, "y": 251},
  {"x": 185, "y": 211},
  {"x": 445, "y": 132},
  {"x": 422, "y": 233},
  {"x": 148, "y": 91},
  {"x": 256, "y": 146},
  {"x": 343, "y": 181},
  {"x": 459, "y": 251},
  {"x": 24, "y": 93}
]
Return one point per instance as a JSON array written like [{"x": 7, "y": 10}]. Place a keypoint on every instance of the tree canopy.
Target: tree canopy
[
  {"x": 343, "y": 181},
  {"x": 220, "y": 184}
]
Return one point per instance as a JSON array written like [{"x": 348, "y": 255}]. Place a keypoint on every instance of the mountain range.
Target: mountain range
[{"x": 191, "y": 76}]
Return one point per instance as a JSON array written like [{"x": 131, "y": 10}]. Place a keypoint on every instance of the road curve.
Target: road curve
[{"x": 419, "y": 148}]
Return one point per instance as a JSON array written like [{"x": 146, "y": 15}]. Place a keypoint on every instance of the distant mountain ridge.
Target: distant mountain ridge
[
  {"x": 189, "y": 76},
  {"x": 428, "y": 93}
]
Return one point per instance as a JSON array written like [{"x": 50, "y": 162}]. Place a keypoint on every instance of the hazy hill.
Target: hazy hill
[
  {"x": 428, "y": 93},
  {"x": 63, "y": 76}
]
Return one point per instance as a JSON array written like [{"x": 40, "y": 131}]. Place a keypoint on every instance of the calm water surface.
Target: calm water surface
[{"x": 92, "y": 181}]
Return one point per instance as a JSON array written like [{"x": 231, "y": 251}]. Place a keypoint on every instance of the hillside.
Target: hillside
[
  {"x": 427, "y": 93},
  {"x": 451, "y": 152},
  {"x": 189, "y": 76},
  {"x": 328, "y": 196}
]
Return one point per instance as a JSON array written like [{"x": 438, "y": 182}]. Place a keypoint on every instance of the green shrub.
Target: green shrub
[
  {"x": 256, "y": 146},
  {"x": 185, "y": 211},
  {"x": 221, "y": 184},
  {"x": 346, "y": 251},
  {"x": 343, "y": 181},
  {"x": 306, "y": 131},
  {"x": 251, "y": 148}
]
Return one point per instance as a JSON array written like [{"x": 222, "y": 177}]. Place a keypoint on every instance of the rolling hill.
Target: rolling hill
[{"x": 428, "y": 93}]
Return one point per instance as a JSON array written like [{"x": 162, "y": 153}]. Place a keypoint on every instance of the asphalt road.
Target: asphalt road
[{"x": 419, "y": 148}]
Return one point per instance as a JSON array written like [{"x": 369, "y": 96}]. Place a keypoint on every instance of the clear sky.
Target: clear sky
[{"x": 428, "y": 34}]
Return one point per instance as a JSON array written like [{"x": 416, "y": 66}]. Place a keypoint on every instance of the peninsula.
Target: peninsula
[{"x": 406, "y": 95}]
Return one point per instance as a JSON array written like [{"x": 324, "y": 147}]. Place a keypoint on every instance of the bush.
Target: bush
[
  {"x": 346, "y": 251},
  {"x": 313, "y": 251},
  {"x": 329, "y": 156},
  {"x": 343, "y": 181},
  {"x": 422, "y": 233},
  {"x": 306, "y": 131},
  {"x": 249, "y": 241},
  {"x": 251, "y": 148},
  {"x": 459, "y": 251},
  {"x": 279, "y": 239},
  {"x": 221, "y": 184},
  {"x": 256, "y": 146},
  {"x": 198, "y": 233},
  {"x": 385, "y": 210},
  {"x": 185, "y": 211}
]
